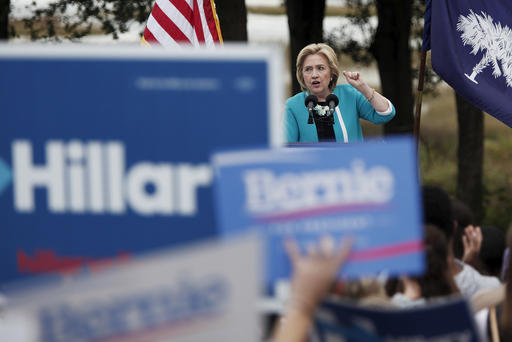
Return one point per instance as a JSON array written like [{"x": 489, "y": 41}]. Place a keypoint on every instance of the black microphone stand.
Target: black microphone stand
[{"x": 310, "y": 102}]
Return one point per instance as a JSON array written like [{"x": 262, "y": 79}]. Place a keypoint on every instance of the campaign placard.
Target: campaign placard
[
  {"x": 206, "y": 292},
  {"x": 104, "y": 151},
  {"x": 367, "y": 191},
  {"x": 445, "y": 320}
]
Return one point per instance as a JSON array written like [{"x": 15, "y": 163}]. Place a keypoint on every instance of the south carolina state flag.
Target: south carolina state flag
[
  {"x": 471, "y": 42},
  {"x": 174, "y": 22}
]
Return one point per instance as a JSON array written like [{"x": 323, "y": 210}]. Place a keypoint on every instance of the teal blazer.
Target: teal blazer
[{"x": 353, "y": 105}]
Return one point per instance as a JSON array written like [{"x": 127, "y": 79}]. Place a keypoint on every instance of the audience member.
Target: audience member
[
  {"x": 492, "y": 250},
  {"x": 313, "y": 277},
  {"x": 467, "y": 239},
  {"x": 436, "y": 282},
  {"x": 494, "y": 309},
  {"x": 506, "y": 256},
  {"x": 506, "y": 312},
  {"x": 366, "y": 291},
  {"x": 463, "y": 217},
  {"x": 437, "y": 210}
]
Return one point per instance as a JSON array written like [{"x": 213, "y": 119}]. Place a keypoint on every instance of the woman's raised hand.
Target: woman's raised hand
[{"x": 354, "y": 79}]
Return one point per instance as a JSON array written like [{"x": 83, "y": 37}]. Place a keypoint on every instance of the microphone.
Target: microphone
[
  {"x": 333, "y": 101},
  {"x": 310, "y": 102}
]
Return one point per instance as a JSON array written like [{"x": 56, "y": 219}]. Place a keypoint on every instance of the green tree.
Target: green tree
[
  {"x": 470, "y": 156},
  {"x": 5, "y": 7},
  {"x": 233, "y": 19},
  {"x": 74, "y": 19},
  {"x": 399, "y": 21},
  {"x": 389, "y": 46},
  {"x": 391, "y": 49},
  {"x": 305, "y": 19}
]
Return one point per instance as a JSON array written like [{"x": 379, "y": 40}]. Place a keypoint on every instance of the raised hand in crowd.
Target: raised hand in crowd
[
  {"x": 313, "y": 277},
  {"x": 472, "y": 242}
]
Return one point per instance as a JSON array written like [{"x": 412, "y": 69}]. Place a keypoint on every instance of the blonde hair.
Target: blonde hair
[{"x": 320, "y": 49}]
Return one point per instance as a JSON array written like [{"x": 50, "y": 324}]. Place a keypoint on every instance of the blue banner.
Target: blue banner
[
  {"x": 342, "y": 321},
  {"x": 368, "y": 191},
  {"x": 104, "y": 152},
  {"x": 471, "y": 43},
  {"x": 171, "y": 295}
]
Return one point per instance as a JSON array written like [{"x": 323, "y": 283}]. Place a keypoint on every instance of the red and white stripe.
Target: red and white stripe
[{"x": 173, "y": 22}]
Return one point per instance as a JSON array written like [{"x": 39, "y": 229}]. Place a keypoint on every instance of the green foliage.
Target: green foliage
[
  {"x": 438, "y": 156},
  {"x": 73, "y": 19},
  {"x": 360, "y": 14},
  {"x": 497, "y": 175}
]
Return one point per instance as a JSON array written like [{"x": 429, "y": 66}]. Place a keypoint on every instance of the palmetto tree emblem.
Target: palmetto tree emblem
[{"x": 494, "y": 40}]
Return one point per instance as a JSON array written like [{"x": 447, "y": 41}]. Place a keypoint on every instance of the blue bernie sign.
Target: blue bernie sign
[
  {"x": 339, "y": 321},
  {"x": 368, "y": 191},
  {"x": 104, "y": 152}
]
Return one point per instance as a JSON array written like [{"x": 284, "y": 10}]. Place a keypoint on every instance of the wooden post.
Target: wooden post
[{"x": 419, "y": 99}]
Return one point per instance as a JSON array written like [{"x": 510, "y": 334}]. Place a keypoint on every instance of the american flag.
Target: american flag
[{"x": 174, "y": 22}]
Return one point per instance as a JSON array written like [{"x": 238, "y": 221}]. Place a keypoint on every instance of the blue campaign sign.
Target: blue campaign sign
[
  {"x": 368, "y": 191},
  {"x": 104, "y": 152},
  {"x": 342, "y": 321}
]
